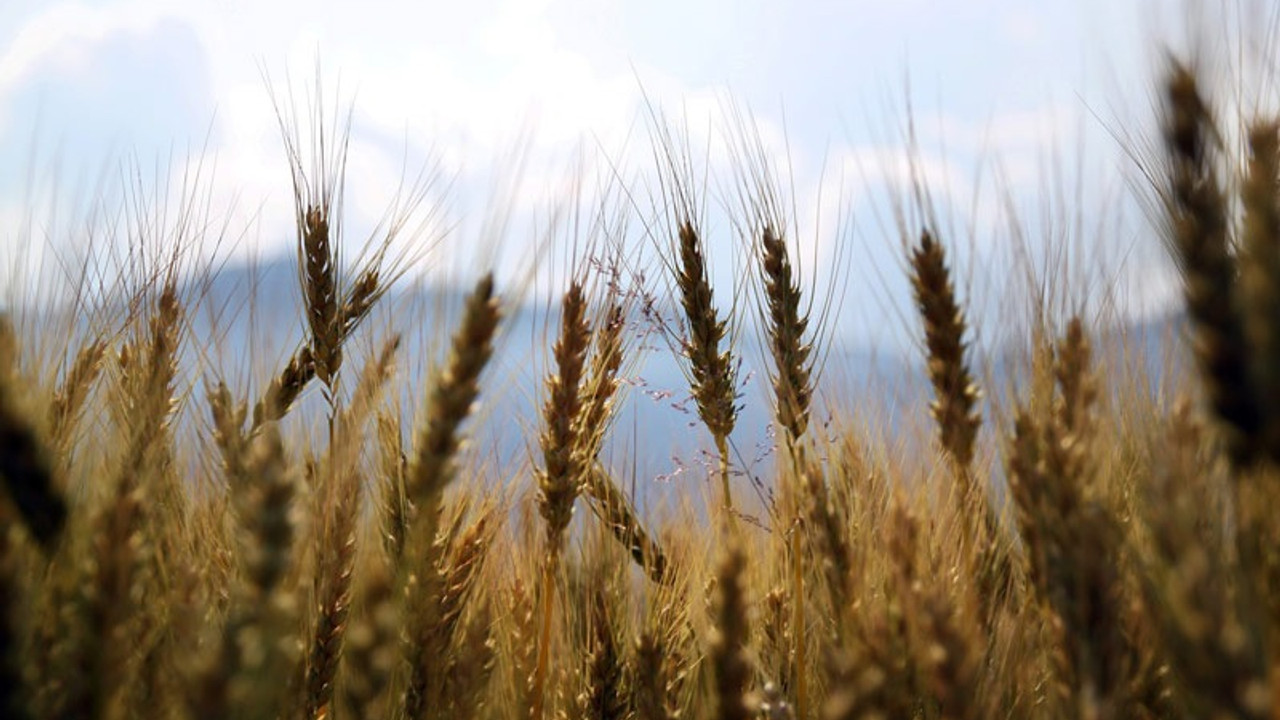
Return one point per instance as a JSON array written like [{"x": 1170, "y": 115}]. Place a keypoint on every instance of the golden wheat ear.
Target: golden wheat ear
[
  {"x": 560, "y": 478},
  {"x": 786, "y": 327},
  {"x": 652, "y": 679},
  {"x": 318, "y": 263},
  {"x": 450, "y": 400},
  {"x": 435, "y": 573},
  {"x": 237, "y": 680},
  {"x": 957, "y": 417},
  {"x": 1073, "y": 543},
  {"x": 614, "y": 510},
  {"x": 954, "y": 408}
]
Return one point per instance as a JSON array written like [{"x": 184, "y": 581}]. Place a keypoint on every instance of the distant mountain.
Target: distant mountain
[{"x": 248, "y": 320}]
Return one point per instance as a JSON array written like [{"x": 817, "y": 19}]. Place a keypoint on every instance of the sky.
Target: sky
[{"x": 116, "y": 109}]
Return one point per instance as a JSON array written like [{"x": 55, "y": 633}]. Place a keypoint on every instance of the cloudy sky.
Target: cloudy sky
[{"x": 1009, "y": 98}]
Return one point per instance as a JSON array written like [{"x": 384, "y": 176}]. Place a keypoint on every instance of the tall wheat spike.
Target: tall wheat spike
[
  {"x": 318, "y": 262},
  {"x": 787, "y": 323},
  {"x": 602, "y": 696},
  {"x": 240, "y": 680},
  {"x": 1073, "y": 542},
  {"x": 786, "y": 327},
  {"x": 560, "y": 478},
  {"x": 434, "y": 608},
  {"x": 434, "y": 595},
  {"x": 449, "y": 403},
  {"x": 956, "y": 395},
  {"x": 1198, "y": 232},
  {"x": 713, "y": 376},
  {"x": 372, "y": 654},
  {"x": 955, "y": 412}
]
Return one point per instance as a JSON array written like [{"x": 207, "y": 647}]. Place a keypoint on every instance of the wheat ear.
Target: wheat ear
[
  {"x": 560, "y": 477},
  {"x": 956, "y": 396},
  {"x": 239, "y": 682},
  {"x": 712, "y": 371},
  {"x": 602, "y": 696},
  {"x": 793, "y": 391},
  {"x": 1073, "y": 543},
  {"x": 955, "y": 412},
  {"x": 786, "y": 327},
  {"x": 1197, "y": 227},
  {"x": 449, "y": 403},
  {"x": 318, "y": 263}
]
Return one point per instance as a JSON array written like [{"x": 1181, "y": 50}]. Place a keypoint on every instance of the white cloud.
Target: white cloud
[
  {"x": 64, "y": 36},
  {"x": 464, "y": 82}
]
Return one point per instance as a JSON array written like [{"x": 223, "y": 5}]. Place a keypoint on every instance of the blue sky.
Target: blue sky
[{"x": 93, "y": 93}]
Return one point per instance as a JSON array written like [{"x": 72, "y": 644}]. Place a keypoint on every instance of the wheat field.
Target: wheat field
[{"x": 1081, "y": 550}]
